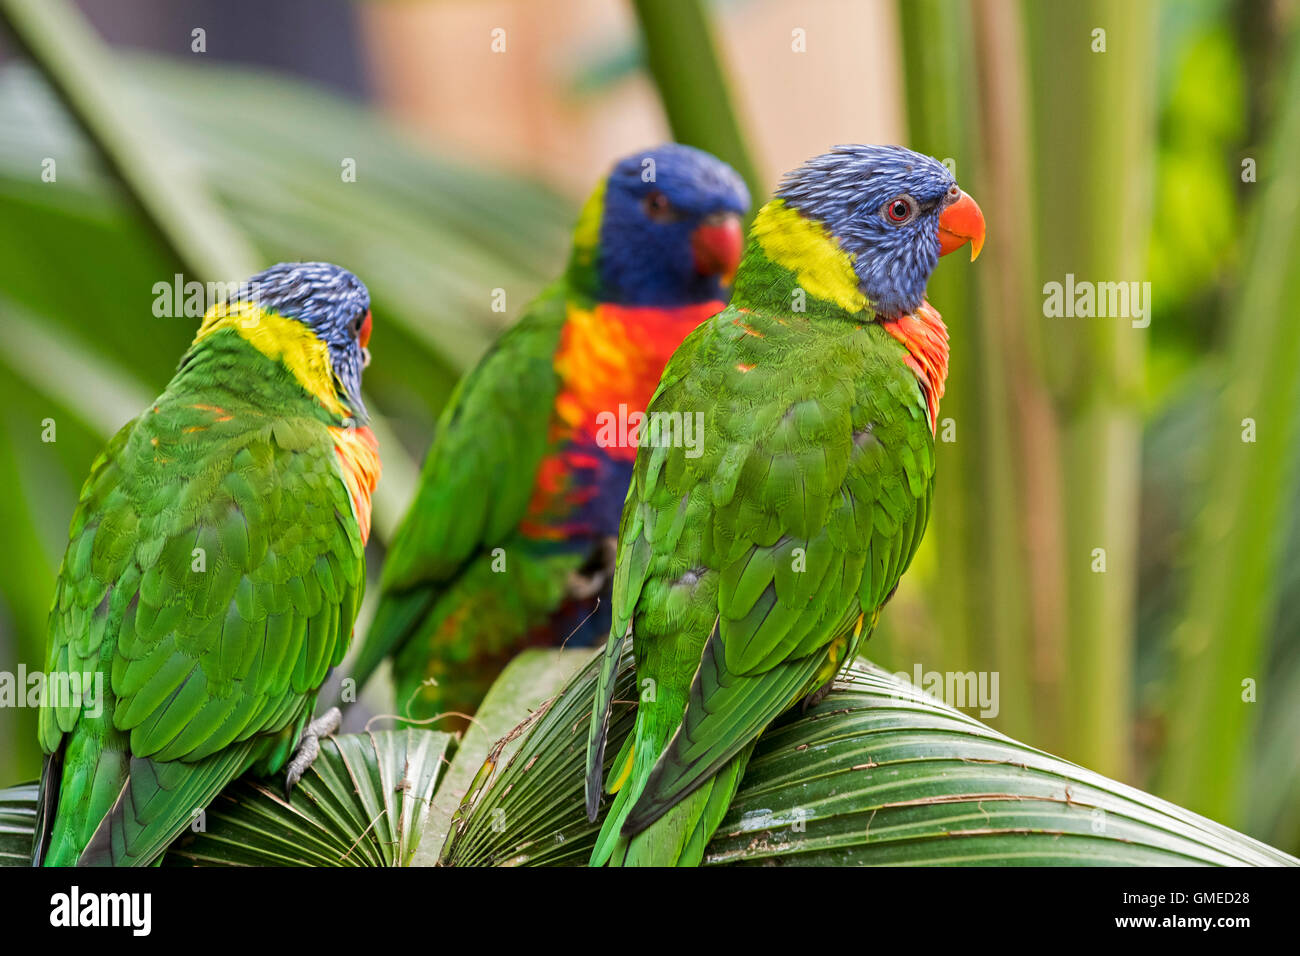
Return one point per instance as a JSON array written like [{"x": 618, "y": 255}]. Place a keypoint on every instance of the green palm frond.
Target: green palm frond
[
  {"x": 878, "y": 773},
  {"x": 364, "y": 802}
]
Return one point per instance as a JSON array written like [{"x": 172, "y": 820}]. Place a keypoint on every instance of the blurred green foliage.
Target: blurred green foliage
[
  {"x": 78, "y": 266},
  {"x": 998, "y": 87}
]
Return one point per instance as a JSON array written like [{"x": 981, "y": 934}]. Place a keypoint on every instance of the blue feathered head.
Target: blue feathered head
[
  {"x": 330, "y": 301},
  {"x": 892, "y": 210},
  {"x": 669, "y": 229}
]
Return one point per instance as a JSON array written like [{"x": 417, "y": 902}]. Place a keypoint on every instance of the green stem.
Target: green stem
[
  {"x": 1222, "y": 644},
  {"x": 979, "y": 602},
  {"x": 683, "y": 59},
  {"x": 82, "y": 71},
  {"x": 1095, "y": 129}
]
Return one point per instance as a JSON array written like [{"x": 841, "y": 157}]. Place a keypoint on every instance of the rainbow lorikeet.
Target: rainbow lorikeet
[
  {"x": 509, "y": 540},
  {"x": 749, "y": 571},
  {"x": 214, "y": 568}
]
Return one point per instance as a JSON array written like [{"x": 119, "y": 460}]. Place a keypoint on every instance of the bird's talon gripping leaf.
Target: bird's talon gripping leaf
[{"x": 309, "y": 747}]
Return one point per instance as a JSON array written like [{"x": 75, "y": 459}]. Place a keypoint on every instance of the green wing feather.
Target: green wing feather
[
  {"x": 212, "y": 575},
  {"x": 744, "y": 572},
  {"x": 156, "y": 803},
  {"x": 477, "y": 479}
]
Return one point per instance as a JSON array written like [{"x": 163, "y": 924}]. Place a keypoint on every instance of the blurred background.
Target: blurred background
[{"x": 1116, "y": 532}]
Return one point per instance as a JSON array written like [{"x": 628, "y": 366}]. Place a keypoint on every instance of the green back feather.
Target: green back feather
[
  {"x": 213, "y": 572},
  {"x": 743, "y": 572}
]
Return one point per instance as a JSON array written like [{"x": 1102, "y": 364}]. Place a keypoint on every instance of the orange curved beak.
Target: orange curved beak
[{"x": 960, "y": 223}]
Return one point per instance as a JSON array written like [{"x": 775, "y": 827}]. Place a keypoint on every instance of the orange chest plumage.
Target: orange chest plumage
[
  {"x": 609, "y": 362},
  {"x": 925, "y": 337},
  {"x": 358, "y": 454}
]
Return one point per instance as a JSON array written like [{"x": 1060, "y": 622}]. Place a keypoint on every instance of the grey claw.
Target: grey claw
[
  {"x": 589, "y": 580},
  {"x": 816, "y": 697},
  {"x": 309, "y": 746}
]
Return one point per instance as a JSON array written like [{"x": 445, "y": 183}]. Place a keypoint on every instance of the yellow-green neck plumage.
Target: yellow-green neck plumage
[
  {"x": 282, "y": 340},
  {"x": 794, "y": 264}
]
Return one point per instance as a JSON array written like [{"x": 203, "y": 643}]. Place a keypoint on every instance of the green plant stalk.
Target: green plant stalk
[
  {"x": 1012, "y": 337},
  {"x": 979, "y": 594},
  {"x": 57, "y": 38},
  {"x": 1223, "y": 639},
  {"x": 1095, "y": 128},
  {"x": 207, "y": 243},
  {"x": 683, "y": 60}
]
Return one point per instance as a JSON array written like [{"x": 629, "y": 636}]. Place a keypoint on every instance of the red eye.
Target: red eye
[
  {"x": 657, "y": 207},
  {"x": 899, "y": 210}
]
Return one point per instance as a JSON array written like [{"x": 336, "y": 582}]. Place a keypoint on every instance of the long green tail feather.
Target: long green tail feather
[
  {"x": 707, "y": 739},
  {"x": 679, "y": 836},
  {"x": 600, "y": 712},
  {"x": 157, "y": 803}
]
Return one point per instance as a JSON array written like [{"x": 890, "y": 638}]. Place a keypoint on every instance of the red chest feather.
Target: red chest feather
[
  {"x": 610, "y": 361},
  {"x": 358, "y": 454},
  {"x": 925, "y": 337}
]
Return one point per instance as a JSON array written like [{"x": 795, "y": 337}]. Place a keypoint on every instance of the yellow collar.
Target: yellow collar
[
  {"x": 282, "y": 340},
  {"x": 805, "y": 247}
]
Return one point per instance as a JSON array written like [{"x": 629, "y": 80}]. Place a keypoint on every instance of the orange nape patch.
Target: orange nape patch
[
  {"x": 358, "y": 453},
  {"x": 219, "y": 413},
  {"x": 925, "y": 337}
]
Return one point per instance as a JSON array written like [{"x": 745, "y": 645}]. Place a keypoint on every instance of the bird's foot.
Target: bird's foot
[
  {"x": 598, "y": 570},
  {"x": 309, "y": 746},
  {"x": 816, "y": 697}
]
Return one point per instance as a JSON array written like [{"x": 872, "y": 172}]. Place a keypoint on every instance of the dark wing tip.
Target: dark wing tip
[
  {"x": 596, "y": 740},
  {"x": 651, "y": 804},
  {"x": 47, "y": 802}
]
